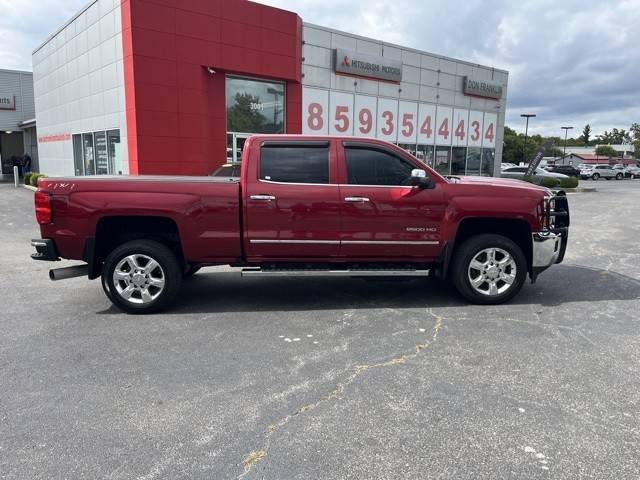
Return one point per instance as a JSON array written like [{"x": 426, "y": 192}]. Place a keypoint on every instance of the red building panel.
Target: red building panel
[{"x": 176, "y": 114}]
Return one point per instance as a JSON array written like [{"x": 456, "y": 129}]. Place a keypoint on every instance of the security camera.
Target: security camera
[{"x": 211, "y": 71}]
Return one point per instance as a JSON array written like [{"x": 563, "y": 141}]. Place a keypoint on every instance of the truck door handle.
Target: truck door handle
[
  {"x": 263, "y": 198},
  {"x": 356, "y": 199}
]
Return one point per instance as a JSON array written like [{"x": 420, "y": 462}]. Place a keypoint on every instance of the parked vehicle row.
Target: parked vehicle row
[{"x": 538, "y": 175}]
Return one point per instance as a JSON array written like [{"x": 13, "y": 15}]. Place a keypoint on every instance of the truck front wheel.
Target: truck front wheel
[
  {"x": 488, "y": 269},
  {"x": 141, "y": 276}
]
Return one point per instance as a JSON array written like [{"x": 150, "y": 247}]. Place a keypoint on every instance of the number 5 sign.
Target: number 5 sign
[{"x": 408, "y": 122}]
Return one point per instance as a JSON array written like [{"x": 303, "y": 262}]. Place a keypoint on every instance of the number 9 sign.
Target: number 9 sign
[{"x": 365, "y": 108}]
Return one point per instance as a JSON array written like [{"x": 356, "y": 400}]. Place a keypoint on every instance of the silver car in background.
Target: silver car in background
[
  {"x": 596, "y": 172},
  {"x": 539, "y": 173}
]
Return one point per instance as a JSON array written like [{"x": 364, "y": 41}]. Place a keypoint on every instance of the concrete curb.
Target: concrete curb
[{"x": 29, "y": 187}]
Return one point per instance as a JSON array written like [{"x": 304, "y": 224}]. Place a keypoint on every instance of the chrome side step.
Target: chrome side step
[{"x": 259, "y": 272}]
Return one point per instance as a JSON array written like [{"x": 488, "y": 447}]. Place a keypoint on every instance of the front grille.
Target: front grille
[{"x": 557, "y": 213}]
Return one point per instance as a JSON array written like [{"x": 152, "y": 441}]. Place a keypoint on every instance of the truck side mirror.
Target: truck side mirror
[{"x": 419, "y": 179}]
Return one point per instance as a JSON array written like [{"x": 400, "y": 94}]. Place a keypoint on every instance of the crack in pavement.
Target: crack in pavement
[{"x": 256, "y": 456}]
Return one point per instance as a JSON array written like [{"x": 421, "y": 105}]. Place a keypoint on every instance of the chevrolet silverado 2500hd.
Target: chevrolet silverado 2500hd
[{"x": 303, "y": 206}]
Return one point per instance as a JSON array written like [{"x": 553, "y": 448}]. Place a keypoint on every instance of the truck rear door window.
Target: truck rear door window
[
  {"x": 294, "y": 164},
  {"x": 367, "y": 166}
]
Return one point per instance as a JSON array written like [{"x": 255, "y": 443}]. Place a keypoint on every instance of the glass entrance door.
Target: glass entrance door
[{"x": 235, "y": 145}]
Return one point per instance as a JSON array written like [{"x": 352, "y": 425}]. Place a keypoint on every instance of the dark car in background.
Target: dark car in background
[{"x": 568, "y": 170}]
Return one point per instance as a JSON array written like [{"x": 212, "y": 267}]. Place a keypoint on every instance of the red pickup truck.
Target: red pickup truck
[{"x": 303, "y": 206}]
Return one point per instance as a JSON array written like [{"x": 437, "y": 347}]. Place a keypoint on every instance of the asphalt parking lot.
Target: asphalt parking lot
[{"x": 331, "y": 379}]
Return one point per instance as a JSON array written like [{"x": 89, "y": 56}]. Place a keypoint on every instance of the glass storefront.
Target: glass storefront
[
  {"x": 97, "y": 153},
  {"x": 254, "y": 106},
  {"x": 442, "y": 163},
  {"x": 454, "y": 160}
]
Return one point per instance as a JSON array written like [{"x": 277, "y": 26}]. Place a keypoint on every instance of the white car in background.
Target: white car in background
[
  {"x": 507, "y": 165},
  {"x": 596, "y": 172}
]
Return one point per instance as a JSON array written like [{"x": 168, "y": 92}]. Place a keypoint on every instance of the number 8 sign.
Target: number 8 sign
[{"x": 314, "y": 116}]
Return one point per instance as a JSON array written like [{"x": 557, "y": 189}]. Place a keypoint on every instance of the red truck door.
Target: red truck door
[
  {"x": 383, "y": 216},
  {"x": 292, "y": 206}
]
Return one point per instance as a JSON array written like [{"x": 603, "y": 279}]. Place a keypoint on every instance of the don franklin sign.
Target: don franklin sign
[
  {"x": 363, "y": 65},
  {"x": 482, "y": 88}
]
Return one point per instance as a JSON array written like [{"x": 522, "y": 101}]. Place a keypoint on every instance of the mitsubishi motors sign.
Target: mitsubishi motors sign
[{"x": 353, "y": 63}]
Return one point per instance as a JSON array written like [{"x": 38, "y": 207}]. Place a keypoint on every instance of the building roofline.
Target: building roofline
[
  {"x": 63, "y": 26},
  {"x": 402, "y": 47},
  {"x": 10, "y": 70}
]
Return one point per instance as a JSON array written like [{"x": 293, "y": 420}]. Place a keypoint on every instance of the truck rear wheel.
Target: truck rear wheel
[
  {"x": 488, "y": 269},
  {"x": 141, "y": 276}
]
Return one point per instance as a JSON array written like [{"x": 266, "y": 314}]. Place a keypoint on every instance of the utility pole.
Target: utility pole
[
  {"x": 564, "y": 152},
  {"x": 526, "y": 133}
]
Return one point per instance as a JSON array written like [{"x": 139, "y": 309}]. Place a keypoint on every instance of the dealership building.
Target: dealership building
[{"x": 175, "y": 87}]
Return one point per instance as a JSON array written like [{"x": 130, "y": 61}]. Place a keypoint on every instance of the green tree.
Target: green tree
[
  {"x": 243, "y": 117},
  {"x": 606, "y": 151},
  {"x": 586, "y": 134}
]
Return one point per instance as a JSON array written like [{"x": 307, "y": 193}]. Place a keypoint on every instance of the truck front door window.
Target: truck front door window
[{"x": 366, "y": 166}]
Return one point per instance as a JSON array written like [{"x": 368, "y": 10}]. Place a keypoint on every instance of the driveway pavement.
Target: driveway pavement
[{"x": 328, "y": 378}]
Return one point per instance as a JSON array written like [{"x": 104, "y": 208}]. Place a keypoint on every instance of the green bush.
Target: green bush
[
  {"x": 549, "y": 182},
  {"x": 27, "y": 178},
  {"x": 570, "y": 182},
  {"x": 35, "y": 177}
]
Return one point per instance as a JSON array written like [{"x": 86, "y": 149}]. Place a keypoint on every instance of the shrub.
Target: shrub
[
  {"x": 570, "y": 182},
  {"x": 528, "y": 178},
  {"x": 549, "y": 182},
  {"x": 35, "y": 177},
  {"x": 27, "y": 178}
]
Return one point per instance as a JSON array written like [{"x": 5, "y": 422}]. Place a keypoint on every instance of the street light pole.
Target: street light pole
[
  {"x": 564, "y": 151},
  {"x": 526, "y": 133}
]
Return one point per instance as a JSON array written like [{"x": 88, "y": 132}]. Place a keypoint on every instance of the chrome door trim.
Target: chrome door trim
[
  {"x": 390, "y": 242},
  {"x": 303, "y": 242},
  {"x": 264, "y": 198},
  {"x": 349, "y": 242}
]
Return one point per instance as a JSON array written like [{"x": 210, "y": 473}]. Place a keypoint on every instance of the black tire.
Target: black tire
[
  {"x": 191, "y": 270},
  {"x": 619, "y": 176},
  {"x": 595, "y": 176},
  {"x": 169, "y": 271},
  {"x": 473, "y": 246}
]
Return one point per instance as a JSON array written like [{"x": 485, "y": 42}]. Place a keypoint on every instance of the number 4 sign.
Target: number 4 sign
[
  {"x": 460, "y": 120},
  {"x": 489, "y": 136},
  {"x": 442, "y": 128}
]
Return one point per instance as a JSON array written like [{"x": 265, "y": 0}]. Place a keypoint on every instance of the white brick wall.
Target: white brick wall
[{"x": 79, "y": 84}]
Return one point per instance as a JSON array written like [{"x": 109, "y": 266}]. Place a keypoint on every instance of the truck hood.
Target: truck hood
[{"x": 500, "y": 182}]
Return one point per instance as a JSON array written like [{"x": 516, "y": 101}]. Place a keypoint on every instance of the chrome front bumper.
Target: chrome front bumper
[{"x": 546, "y": 249}]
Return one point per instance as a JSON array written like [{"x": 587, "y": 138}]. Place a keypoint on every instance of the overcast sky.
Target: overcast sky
[{"x": 571, "y": 62}]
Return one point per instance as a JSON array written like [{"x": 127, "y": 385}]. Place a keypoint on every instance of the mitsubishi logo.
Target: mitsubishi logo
[{"x": 346, "y": 62}]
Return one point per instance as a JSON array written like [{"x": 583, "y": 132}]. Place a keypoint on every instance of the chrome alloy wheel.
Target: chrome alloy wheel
[
  {"x": 138, "y": 279},
  {"x": 492, "y": 271}
]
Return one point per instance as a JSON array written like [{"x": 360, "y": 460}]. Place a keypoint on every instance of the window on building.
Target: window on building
[
  {"x": 458, "y": 160},
  {"x": 295, "y": 164},
  {"x": 488, "y": 160},
  {"x": 474, "y": 158},
  {"x": 78, "y": 158},
  {"x": 88, "y": 154},
  {"x": 254, "y": 106},
  {"x": 443, "y": 160},
  {"x": 368, "y": 166},
  {"x": 114, "y": 148},
  {"x": 425, "y": 154},
  {"x": 97, "y": 153}
]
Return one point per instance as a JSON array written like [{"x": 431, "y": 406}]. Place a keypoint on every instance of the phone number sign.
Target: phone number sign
[{"x": 328, "y": 112}]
